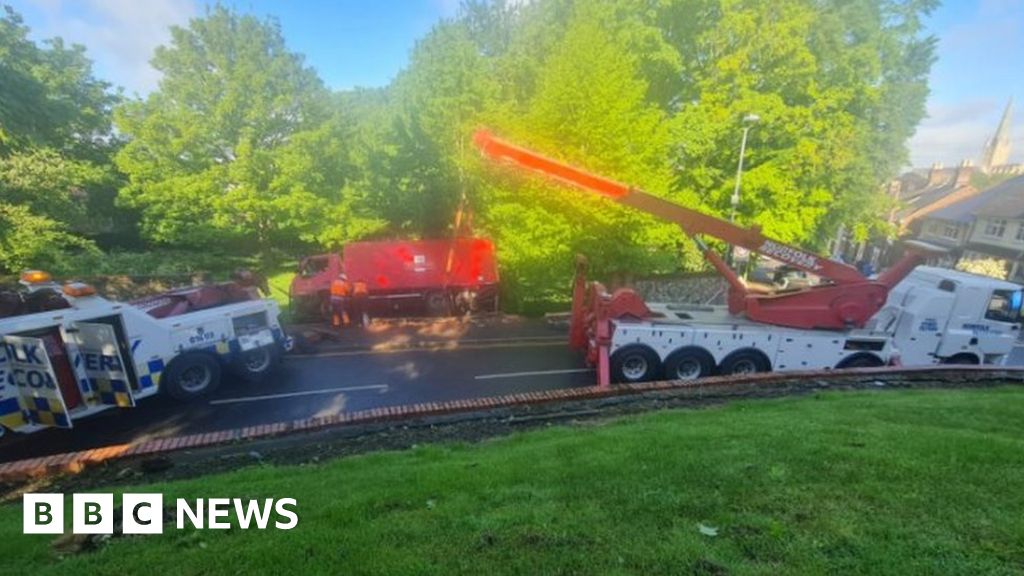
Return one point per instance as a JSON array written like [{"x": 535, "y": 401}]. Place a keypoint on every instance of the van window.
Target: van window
[{"x": 1004, "y": 306}]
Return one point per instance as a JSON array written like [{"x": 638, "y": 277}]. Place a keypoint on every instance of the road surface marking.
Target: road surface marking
[
  {"x": 303, "y": 393},
  {"x": 440, "y": 347},
  {"x": 534, "y": 373}
]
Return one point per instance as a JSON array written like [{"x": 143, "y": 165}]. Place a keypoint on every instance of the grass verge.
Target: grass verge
[{"x": 910, "y": 482}]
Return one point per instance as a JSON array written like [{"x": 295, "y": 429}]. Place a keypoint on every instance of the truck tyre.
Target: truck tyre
[
  {"x": 745, "y": 362},
  {"x": 963, "y": 359},
  {"x": 635, "y": 364},
  {"x": 689, "y": 363},
  {"x": 438, "y": 303},
  {"x": 256, "y": 365},
  {"x": 862, "y": 360},
  {"x": 191, "y": 375}
]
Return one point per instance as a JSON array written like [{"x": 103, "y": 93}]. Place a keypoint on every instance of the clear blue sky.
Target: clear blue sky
[{"x": 365, "y": 43}]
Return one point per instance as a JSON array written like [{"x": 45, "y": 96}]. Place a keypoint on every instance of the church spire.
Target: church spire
[{"x": 997, "y": 150}]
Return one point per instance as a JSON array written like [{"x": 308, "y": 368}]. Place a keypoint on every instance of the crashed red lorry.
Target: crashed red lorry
[{"x": 402, "y": 277}]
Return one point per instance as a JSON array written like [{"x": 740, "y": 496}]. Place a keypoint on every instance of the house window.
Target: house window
[
  {"x": 995, "y": 228},
  {"x": 1020, "y": 232},
  {"x": 952, "y": 231}
]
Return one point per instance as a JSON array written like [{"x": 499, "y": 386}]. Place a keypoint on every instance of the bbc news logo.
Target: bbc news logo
[{"x": 144, "y": 513}]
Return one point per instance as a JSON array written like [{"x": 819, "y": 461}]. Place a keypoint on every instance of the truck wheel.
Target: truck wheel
[
  {"x": 963, "y": 359},
  {"x": 745, "y": 362},
  {"x": 635, "y": 364},
  {"x": 689, "y": 364},
  {"x": 438, "y": 304},
  {"x": 862, "y": 360},
  {"x": 191, "y": 375},
  {"x": 255, "y": 365}
]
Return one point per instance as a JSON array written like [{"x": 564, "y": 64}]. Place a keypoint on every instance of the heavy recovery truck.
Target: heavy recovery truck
[
  {"x": 67, "y": 353},
  {"x": 908, "y": 314}
]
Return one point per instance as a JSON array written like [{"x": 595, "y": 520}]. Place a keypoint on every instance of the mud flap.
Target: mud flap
[
  {"x": 100, "y": 358},
  {"x": 29, "y": 372}
]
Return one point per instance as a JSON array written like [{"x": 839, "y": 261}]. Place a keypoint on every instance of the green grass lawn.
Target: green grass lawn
[{"x": 911, "y": 482}]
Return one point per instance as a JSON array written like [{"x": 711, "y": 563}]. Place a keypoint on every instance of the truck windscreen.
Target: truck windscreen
[{"x": 1005, "y": 306}]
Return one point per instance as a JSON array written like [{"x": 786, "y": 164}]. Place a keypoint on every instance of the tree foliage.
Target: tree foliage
[
  {"x": 49, "y": 97},
  {"x": 28, "y": 240},
  {"x": 242, "y": 148},
  {"x": 654, "y": 95},
  {"x": 239, "y": 146},
  {"x": 56, "y": 182}
]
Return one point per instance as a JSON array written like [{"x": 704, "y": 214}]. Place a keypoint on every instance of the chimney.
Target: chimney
[
  {"x": 963, "y": 174},
  {"x": 936, "y": 176}
]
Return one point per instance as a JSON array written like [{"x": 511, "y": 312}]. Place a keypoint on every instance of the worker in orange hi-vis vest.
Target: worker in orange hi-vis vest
[
  {"x": 360, "y": 300},
  {"x": 341, "y": 297}
]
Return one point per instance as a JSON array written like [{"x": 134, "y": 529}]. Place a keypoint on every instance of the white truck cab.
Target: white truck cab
[
  {"x": 932, "y": 316},
  {"x": 937, "y": 315},
  {"x": 78, "y": 353}
]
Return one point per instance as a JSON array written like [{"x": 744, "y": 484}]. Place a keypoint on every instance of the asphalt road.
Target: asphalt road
[{"x": 323, "y": 384}]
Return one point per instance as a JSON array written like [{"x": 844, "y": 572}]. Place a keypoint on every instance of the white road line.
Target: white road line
[
  {"x": 534, "y": 373},
  {"x": 303, "y": 393}
]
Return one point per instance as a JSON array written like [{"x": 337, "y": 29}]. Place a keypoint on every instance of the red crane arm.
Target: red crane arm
[
  {"x": 849, "y": 300},
  {"x": 691, "y": 221}
]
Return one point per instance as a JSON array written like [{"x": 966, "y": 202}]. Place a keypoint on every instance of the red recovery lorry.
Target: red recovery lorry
[
  {"x": 907, "y": 314},
  {"x": 401, "y": 277}
]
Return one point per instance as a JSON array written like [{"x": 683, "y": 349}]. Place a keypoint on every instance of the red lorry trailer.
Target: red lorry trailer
[{"x": 403, "y": 277}]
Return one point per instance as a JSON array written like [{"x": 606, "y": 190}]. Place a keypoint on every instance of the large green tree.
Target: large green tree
[
  {"x": 239, "y": 147},
  {"x": 839, "y": 86},
  {"x": 56, "y": 185}
]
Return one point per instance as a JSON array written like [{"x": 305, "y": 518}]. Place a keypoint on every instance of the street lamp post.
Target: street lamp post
[{"x": 748, "y": 122}]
